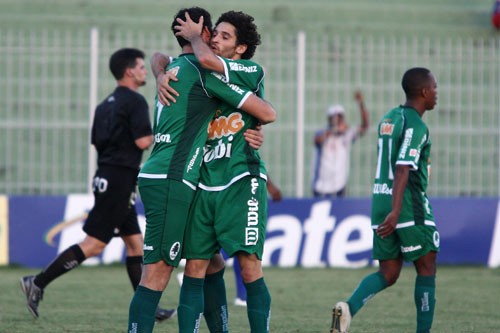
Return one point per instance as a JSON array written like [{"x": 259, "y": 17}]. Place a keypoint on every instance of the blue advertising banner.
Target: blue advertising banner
[{"x": 300, "y": 232}]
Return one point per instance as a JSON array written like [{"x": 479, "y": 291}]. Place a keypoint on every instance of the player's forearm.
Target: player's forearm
[
  {"x": 206, "y": 56},
  {"x": 159, "y": 62},
  {"x": 260, "y": 109},
  {"x": 398, "y": 188}
]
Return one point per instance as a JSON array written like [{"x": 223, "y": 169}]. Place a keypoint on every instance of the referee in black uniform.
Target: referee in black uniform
[{"x": 121, "y": 131}]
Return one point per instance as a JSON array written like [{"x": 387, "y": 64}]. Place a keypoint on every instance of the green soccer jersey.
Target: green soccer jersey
[
  {"x": 403, "y": 139},
  {"x": 181, "y": 129},
  {"x": 227, "y": 157}
]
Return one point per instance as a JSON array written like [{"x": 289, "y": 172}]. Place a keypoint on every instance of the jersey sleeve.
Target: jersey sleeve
[
  {"x": 415, "y": 136},
  {"x": 244, "y": 73},
  {"x": 230, "y": 93}
]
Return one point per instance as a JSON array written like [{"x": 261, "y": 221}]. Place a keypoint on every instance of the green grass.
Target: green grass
[{"x": 96, "y": 299}]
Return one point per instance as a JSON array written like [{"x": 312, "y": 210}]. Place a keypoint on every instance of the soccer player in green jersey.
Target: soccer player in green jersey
[
  {"x": 230, "y": 207},
  {"x": 402, "y": 218},
  {"x": 168, "y": 179}
]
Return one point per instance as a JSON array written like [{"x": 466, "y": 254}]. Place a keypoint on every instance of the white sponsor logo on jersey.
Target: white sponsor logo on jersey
[
  {"x": 382, "y": 189},
  {"x": 193, "y": 159},
  {"x": 221, "y": 150},
  {"x": 406, "y": 142},
  {"x": 412, "y": 248},
  {"x": 251, "y": 231},
  {"x": 237, "y": 67},
  {"x": 159, "y": 137}
]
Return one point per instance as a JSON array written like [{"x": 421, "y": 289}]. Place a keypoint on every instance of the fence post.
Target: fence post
[
  {"x": 94, "y": 52},
  {"x": 301, "y": 60}
]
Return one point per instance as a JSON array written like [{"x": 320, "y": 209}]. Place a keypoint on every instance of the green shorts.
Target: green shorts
[
  {"x": 233, "y": 219},
  {"x": 166, "y": 204},
  {"x": 411, "y": 242}
]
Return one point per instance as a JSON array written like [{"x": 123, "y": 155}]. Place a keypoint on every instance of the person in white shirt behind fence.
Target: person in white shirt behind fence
[{"x": 333, "y": 147}]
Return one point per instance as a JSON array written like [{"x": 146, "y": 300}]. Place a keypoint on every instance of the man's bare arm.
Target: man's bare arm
[
  {"x": 166, "y": 93},
  {"x": 260, "y": 109}
]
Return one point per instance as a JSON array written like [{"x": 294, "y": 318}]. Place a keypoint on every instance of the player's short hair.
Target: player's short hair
[
  {"x": 123, "y": 59},
  {"x": 195, "y": 13},
  {"x": 414, "y": 80},
  {"x": 246, "y": 31}
]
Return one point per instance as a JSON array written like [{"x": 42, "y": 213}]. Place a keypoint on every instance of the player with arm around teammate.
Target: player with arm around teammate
[
  {"x": 237, "y": 176},
  {"x": 168, "y": 179}
]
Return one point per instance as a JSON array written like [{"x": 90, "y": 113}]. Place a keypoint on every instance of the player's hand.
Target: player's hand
[
  {"x": 358, "y": 96},
  {"x": 254, "y": 137},
  {"x": 275, "y": 193},
  {"x": 165, "y": 92},
  {"x": 388, "y": 226},
  {"x": 189, "y": 29}
]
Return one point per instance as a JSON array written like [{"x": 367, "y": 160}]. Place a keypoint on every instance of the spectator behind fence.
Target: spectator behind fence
[{"x": 333, "y": 147}]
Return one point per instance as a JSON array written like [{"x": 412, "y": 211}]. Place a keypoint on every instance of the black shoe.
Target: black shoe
[
  {"x": 164, "y": 314},
  {"x": 33, "y": 294}
]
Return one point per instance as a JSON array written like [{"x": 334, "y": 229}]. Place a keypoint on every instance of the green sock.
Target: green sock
[
  {"x": 141, "y": 317},
  {"x": 258, "y": 306},
  {"x": 215, "y": 312},
  {"x": 190, "y": 307},
  {"x": 425, "y": 301},
  {"x": 367, "y": 288}
]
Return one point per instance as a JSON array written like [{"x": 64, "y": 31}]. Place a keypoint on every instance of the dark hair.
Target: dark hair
[
  {"x": 414, "y": 80},
  {"x": 123, "y": 59},
  {"x": 246, "y": 31},
  {"x": 195, "y": 13}
]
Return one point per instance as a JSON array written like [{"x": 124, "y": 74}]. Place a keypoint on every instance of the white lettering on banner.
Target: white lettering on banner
[
  {"x": 494, "y": 258},
  {"x": 341, "y": 246},
  {"x": 286, "y": 245},
  {"x": 315, "y": 227},
  {"x": 290, "y": 241}
]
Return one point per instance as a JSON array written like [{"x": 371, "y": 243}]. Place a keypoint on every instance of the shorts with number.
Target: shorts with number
[
  {"x": 410, "y": 242},
  {"x": 166, "y": 206},
  {"x": 114, "y": 211},
  {"x": 233, "y": 219}
]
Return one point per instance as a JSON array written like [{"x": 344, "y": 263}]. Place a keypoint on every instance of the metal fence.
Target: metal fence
[{"x": 50, "y": 84}]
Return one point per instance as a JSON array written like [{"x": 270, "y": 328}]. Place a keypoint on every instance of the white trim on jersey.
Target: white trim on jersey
[
  {"x": 152, "y": 175},
  {"x": 409, "y": 224},
  {"x": 244, "y": 99},
  {"x": 414, "y": 166},
  {"x": 163, "y": 176},
  {"x": 234, "y": 180}
]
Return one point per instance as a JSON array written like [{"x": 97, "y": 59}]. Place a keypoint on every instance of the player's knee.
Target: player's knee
[
  {"x": 250, "y": 273},
  {"x": 390, "y": 276},
  {"x": 196, "y": 268}
]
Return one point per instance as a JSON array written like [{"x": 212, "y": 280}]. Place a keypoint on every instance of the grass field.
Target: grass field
[{"x": 95, "y": 299}]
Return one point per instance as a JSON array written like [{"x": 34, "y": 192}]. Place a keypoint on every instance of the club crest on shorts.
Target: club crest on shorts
[
  {"x": 174, "y": 250},
  {"x": 435, "y": 238}
]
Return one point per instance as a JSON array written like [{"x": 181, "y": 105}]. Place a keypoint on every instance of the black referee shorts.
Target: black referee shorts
[{"x": 113, "y": 213}]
